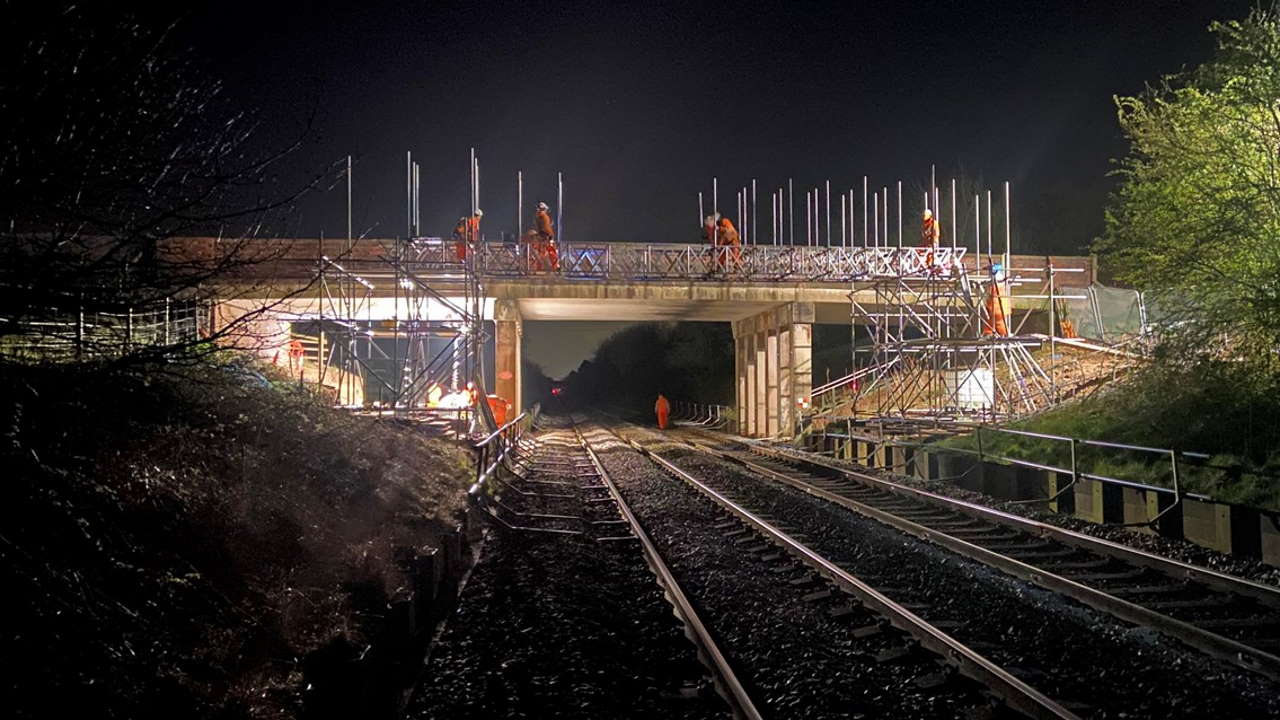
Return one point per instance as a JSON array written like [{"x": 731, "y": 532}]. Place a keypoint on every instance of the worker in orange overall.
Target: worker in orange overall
[
  {"x": 728, "y": 255},
  {"x": 930, "y": 236},
  {"x": 499, "y": 408},
  {"x": 460, "y": 239},
  {"x": 296, "y": 352},
  {"x": 663, "y": 409},
  {"x": 473, "y": 228},
  {"x": 709, "y": 237},
  {"x": 994, "y": 321},
  {"x": 545, "y": 248}
]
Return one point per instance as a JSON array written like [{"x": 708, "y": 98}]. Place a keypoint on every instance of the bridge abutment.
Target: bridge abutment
[
  {"x": 773, "y": 368},
  {"x": 508, "y": 332}
]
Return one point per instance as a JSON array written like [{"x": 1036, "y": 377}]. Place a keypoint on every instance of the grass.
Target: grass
[
  {"x": 176, "y": 543},
  {"x": 1219, "y": 409}
]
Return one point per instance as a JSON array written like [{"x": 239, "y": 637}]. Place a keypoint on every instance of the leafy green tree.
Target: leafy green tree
[{"x": 1196, "y": 220}]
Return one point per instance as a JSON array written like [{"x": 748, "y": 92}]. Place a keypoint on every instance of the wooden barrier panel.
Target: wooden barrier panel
[
  {"x": 1207, "y": 524},
  {"x": 1269, "y": 537},
  {"x": 1088, "y": 500},
  {"x": 1139, "y": 507}
]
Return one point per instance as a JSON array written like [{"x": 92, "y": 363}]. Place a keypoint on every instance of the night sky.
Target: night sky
[{"x": 639, "y": 106}]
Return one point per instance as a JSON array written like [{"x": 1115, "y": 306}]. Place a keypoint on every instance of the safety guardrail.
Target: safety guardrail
[
  {"x": 710, "y": 416},
  {"x": 678, "y": 261},
  {"x": 662, "y": 261},
  {"x": 493, "y": 450},
  {"x": 1175, "y": 458},
  {"x": 85, "y": 331}
]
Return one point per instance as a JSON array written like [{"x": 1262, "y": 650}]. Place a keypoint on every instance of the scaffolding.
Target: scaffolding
[
  {"x": 936, "y": 356},
  {"x": 955, "y": 337},
  {"x": 405, "y": 335}
]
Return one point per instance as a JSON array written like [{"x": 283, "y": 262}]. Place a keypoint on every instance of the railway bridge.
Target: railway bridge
[{"x": 771, "y": 294}]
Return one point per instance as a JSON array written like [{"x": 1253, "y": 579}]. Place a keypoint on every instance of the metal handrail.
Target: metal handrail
[
  {"x": 505, "y": 445},
  {"x": 782, "y": 263}
]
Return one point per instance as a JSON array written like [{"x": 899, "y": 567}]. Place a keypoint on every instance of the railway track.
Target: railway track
[
  {"x": 797, "y": 607},
  {"x": 885, "y": 637},
  {"x": 1090, "y": 664},
  {"x": 1229, "y": 618},
  {"x": 538, "y": 629}
]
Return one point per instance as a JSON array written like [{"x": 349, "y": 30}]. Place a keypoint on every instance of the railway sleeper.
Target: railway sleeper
[
  {"x": 1139, "y": 590},
  {"x": 1025, "y": 555},
  {"x": 1097, "y": 576},
  {"x": 944, "y": 521},
  {"x": 1234, "y": 623},
  {"x": 1211, "y": 601},
  {"x": 1079, "y": 565},
  {"x": 869, "y": 630},
  {"x": 898, "y": 653},
  {"x": 990, "y": 536}
]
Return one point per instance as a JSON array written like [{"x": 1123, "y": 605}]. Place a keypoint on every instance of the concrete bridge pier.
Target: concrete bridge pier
[
  {"x": 773, "y": 368},
  {"x": 508, "y": 331}
]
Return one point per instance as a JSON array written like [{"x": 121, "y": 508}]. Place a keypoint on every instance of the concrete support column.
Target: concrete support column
[
  {"x": 509, "y": 329},
  {"x": 762, "y": 382},
  {"x": 772, "y": 410},
  {"x": 753, "y": 414},
  {"x": 773, "y": 368},
  {"x": 796, "y": 320},
  {"x": 786, "y": 380},
  {"x": 740, "y": 380}
]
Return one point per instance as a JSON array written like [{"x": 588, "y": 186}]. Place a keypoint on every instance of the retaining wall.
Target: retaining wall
[{"x": 1234, "y": 529}]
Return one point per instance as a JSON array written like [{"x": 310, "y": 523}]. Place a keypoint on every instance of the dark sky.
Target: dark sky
[{"x": 640, "y": 105}]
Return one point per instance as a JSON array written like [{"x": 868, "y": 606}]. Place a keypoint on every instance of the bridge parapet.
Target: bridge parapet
[
  {"x": 750, "y": 263},
  {"x": 640, "y": 262}
]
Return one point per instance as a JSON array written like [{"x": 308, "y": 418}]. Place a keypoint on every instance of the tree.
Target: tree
[
  {"x": 1196, "y": 220},
  {"x": 116, "y": 145}
]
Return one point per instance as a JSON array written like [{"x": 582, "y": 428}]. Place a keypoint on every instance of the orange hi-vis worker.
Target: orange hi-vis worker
[
  {"x": 460, "y": 232},
  {"x": 499, "y": 408},
  {"x": 930, "y": 236},
  {"x": 728, "y": 239},
  {"x": 473, "y": 228},
  {"x": 930, "y": 231},
  {"x": 996, "y": 307},
  {"x": 663, "y": 409},
  {"x": 545, "y": 250}
]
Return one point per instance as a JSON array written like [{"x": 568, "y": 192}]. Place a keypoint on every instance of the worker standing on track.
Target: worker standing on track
[
  {"x": 500, "y": 408},
  {"x": 545, "y": 249},
  {"x": 728, "y": 256},
  {"x": 663, "y": 410}
]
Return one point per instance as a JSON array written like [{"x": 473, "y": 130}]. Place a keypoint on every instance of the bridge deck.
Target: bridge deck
[{"x": 651, "y": 281}]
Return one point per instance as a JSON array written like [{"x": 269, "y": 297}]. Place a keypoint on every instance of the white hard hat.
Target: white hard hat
[
  {"x": 542, "y": 206},
  {"x": 928, "y": 213},
  {"x": 479, "y": 212}
]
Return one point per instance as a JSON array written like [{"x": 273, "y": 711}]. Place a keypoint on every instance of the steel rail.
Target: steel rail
[
  {"x": 726, "y": 680},
  {"x": 1211, "y": 643},
  {"x": 1015, "y": 693},
  {"x": 1173, "y": 568}
]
